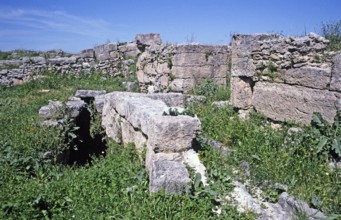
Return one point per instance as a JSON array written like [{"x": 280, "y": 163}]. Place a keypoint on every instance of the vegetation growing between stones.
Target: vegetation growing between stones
[
  {"x": 332, "y": 32},
  {"x": 299, "y": 160},
  {"x": 34, "y": 185}
]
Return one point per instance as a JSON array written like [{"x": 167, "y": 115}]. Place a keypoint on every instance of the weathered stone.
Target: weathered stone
[
  {"x": 111, "y": 122},
  {"x": 335, "y": 83},
  {"x": 191, "y": 59},
  {"x": 294, "y": 206},
  {"x": 242, "y": 46},
  {"x": 168, "y": 172},
  {"x": 89, "y": 93},
  {"x": 130, "y": 86},
  {"x": 241, "y": 92},
  {"x": 129, "y": 49},
  {"x": 287, "y": 207},
  {"x": 62, "y": 60},
  {"x": 51, "y": 111},
  {"x": 99, "y": 102},
  {"x": 50, "y": 123},
  {"x": 284, "y": 102},
  {"x": 195, "y": 72},
  {"x": 191, "y": 158},
  {"x": 129, "y": 135},
  {"x": 172, "y": 133},
  {"x": 88, "y": 53},
  {"x": 115, "y": 54},
  {"x": 74, "y": 107},
  {"x": 182, "y": 85},
  {"x": 34, "y": 60},
  {"x": 148, "y": 39},
  {"x": 171, "y": 99},
  {"x": 312, "y": 77}
]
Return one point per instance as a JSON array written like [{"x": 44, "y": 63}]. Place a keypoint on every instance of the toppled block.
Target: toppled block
[
  {"x": 168, "y": 172},
  {"x": 89, "y": 93},
  {"x": 74, "y": 107},
  {"x": 170, "y": 134},
  {"x": 51, "y": 111}
]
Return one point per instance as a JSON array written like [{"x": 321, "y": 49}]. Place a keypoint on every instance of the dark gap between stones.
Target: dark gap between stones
[{"x": 83, "y": 148}]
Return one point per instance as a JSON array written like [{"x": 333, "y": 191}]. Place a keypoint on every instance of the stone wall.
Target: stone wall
[
  {"x": 167, "y": 141},
  {"x": 285, "y": 78},
  {"x": 178, "y": 68}
]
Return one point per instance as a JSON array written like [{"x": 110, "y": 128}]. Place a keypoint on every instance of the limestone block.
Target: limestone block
[
  {"x": 62, "y": 60},
  {"x": 140, "y": 76},
  {"x": 130, "y": 135},
  {"x": 162, "y": 68},
  {"x": 194, "y": 48},
  {"x": 182, "y": 85},
  {"x": 114, "y": 54},
  {"x": 312, "y": 77},
  {"x": 336, "y": 73},
  {"x": 88, "y": 53},
  {"x": 74, "y": 107},
  {"x": 242, "y": 66},
  {"x": 168, "y": 172},
  {"x": 191, "y": 59},
  {"x": 241, "y": 92},
  {"x": 99, "y": 103},
  {"x": 172, "y": 133},
  {"x": 51, "y": 111},
  {"x": 129, "y": 49},
  {"x": 171, "y": 99},
  {"x": 138, "y": 109},
  {"x": 282, "y": 102},
  {"x": 148, "y": 39},
  {"x": 89, "y": 93},
  {"x": 111, "y": 122}
]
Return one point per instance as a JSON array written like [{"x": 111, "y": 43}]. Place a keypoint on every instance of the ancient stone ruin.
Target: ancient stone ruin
[
  {"x": 285, "y": 78},
  {"x": 166, "y": 142}
]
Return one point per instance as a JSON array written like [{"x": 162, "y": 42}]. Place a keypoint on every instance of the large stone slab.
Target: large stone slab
[
  {"x": 51, "y": 111},
  {"x": 195, "y": 72},
  {"x": 282, "y": 102},
  {"x": 111, "y": 122},
  {"x": 148, "y": 39},
  {"x": 335, "y": 83},
  {"x": 312, "y": 77},
  {"x": 131, "y": 135},
  {"x": 241, "y": 92},
  {"x": 170, "y": 134},
  {"x": 168, "y": 172},
  {"x": 89, "y": 93}
]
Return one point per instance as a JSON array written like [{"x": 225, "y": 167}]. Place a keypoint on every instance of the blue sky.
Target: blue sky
[{"x": 75, "y": 25}]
